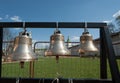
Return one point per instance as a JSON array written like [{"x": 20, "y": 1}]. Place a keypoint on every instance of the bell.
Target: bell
[
  {"x": 22, "y": 50},
  {"x": 49, "y": 52},
  {"x": 57, "y": 46},
  {"x": 87, "y": 46}
]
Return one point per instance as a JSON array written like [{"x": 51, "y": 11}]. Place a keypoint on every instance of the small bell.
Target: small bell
[
  {"x": 57, "y": 47},
  {"x": 87, "y": 46}
]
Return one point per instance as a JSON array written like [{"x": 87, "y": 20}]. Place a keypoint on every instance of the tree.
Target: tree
[{"x": 7, "y": 36}]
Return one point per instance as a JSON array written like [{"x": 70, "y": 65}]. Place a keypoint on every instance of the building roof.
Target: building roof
[{"x": 112, "y": 35}]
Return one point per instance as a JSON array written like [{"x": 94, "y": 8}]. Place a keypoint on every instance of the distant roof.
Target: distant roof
[
  {"x": 74, "y": 46},
  {"x": 112, "y": 35}
]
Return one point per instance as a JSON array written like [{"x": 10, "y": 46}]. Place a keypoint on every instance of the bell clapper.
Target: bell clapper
[
  {"x": 58, "y": 65},
  {"x": 57, "y": 59},
  {"x": 22, "y": 64}
]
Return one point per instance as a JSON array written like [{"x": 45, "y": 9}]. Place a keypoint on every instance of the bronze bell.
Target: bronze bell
[
  {"x": 22, "y": 50},
  {"x": 49, "y": 52},
  {"x": 57, "y": 46},
  {"x": 87, "y": 46}
]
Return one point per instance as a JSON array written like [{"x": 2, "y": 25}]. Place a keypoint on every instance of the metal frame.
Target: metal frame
[
  {"x": 52, "y": 24},
  {"x": 105, "y": 42},
  {"x": 47, "y": 42},
  {"x": 103, "y": 57},
  {"x": 1, "y": 39},
  {"x": 111, "y": 55}
]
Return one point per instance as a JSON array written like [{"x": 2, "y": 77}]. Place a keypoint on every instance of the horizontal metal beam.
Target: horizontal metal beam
[
  {"x": 52, "y": 24},
  {"x": 27, "y": 24},
  {"x": 49, "y": 42},
  {"x": 82, "y": 24}
]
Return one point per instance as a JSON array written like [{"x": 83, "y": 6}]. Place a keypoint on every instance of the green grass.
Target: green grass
[{"x": 48, "y": 68}]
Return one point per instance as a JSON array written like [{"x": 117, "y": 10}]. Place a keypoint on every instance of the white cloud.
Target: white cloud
[
  {"x": 75, "y": 38},
  {"x": 116, "y": 14},
  {"x": 13, "y": 18},
  {"x": 16, "y": 18},
  {"x": 107, "y": 21}
]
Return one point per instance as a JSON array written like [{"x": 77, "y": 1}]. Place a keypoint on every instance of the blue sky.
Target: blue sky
[{"x": 58, "y": 11}]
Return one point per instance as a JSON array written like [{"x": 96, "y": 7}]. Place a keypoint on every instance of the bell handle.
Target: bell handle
[
  {"x": 57, "y": 26},
  {"x": 24, "y": 27},
  {"x": 85, "y": 29},
  {"x": 57, "y": 29}
]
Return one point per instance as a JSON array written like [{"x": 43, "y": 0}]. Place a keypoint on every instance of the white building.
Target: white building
[
  {"x": 111, "y": 27},
  {"x": 117, "y": 19}
]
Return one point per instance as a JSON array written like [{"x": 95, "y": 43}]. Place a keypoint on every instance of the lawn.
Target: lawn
[{"x": 46, "y": 67}]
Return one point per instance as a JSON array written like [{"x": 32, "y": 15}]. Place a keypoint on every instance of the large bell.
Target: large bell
[
  {"x": 87, "y": 46},
  {"x": 22, "y": 50},
  {"x": 57, "y": 46}
]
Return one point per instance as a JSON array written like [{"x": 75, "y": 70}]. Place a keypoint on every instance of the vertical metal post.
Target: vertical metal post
[
  {"x": 31, "y": 71},
  {"x": 103, "y": 57},
  {"x": 1, "y": 41},
  {"x": 111, "y": 56}
]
